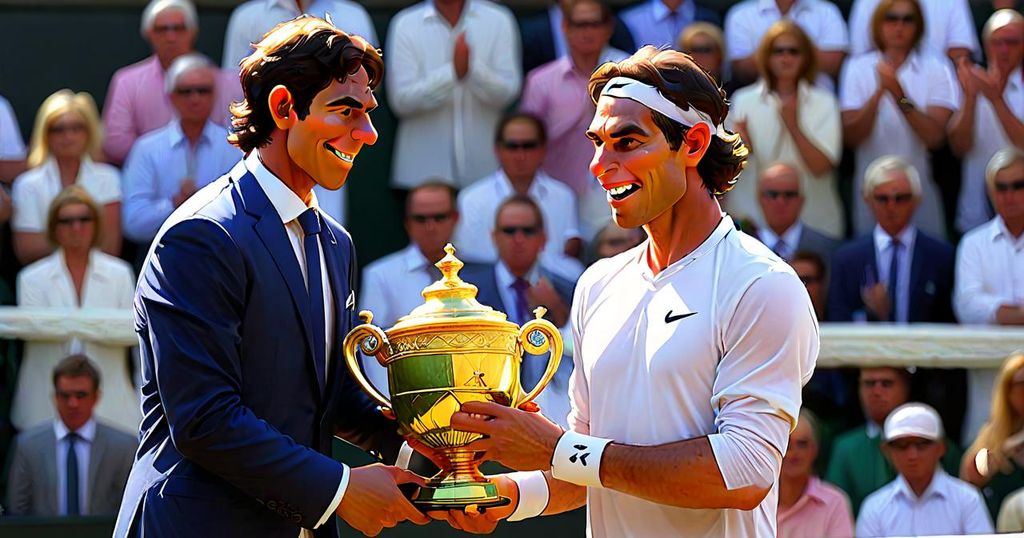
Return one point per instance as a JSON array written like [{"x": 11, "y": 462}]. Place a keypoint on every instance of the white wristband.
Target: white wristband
[
  {"x": 577, "y": 459},
  {"x": 533, "y": 494}
]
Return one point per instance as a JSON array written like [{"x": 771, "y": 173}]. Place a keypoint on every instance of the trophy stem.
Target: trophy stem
[{"x": 459, "y": 484}]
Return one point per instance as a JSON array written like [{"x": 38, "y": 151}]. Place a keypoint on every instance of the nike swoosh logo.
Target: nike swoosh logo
[{"x": 669, "y": 318}]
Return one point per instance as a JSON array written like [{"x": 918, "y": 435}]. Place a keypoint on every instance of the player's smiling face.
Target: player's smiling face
[
  {"x": 325, "y": 143},
  {"x": 641, "y": 175}
]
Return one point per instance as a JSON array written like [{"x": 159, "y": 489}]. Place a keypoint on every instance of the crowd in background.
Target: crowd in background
[{"x": 902, "y": 104}]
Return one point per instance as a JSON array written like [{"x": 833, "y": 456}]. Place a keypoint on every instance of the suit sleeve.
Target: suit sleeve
[
  {"x": 19, "y": 483},
  {"x": 840, "y": 306},
  {"x": 193, "y": 295}
]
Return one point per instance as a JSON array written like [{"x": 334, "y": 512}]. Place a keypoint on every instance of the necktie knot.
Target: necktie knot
[
  {"x": 520, "y": 285},
  {"x": 310, "y": 221},
  {"x": 72, "y": 437}
]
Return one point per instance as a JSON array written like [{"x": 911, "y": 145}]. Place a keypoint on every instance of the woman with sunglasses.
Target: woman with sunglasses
[
  {"x": 76, "y": 276},
  {"x": 65, "y": 140},
  {"x": 784, "y": 117},
  {"x": 897, "y": 100}
]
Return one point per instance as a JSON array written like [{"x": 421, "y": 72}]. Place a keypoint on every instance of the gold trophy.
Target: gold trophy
[{"x": 447, "y": 351}]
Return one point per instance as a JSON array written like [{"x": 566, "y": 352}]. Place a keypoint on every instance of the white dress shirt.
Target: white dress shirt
[
  {"x": 643, "y": 378},
  {"x": 771, "y": 142},
  {"x": 36, "y": 188},
  {"x": 254, "y": 18},
  {"x": 947, "y": 24},
  {"x": 157, "y": 164},
  {"x": 651, "y": 22},
  {"x": 949, "y": 506},
  {"x": 973, "y": 207},
  {"x": 748, "y": 21},
  {"x": 83, "y": 449},
  {"x": 883, "y": 258},
  {"x": 478, "y": 207},
  {"x": 927, "y": 81},
  {"x": 446, "y": 125},
  {"x": 289, "y": 206},
  {"x": 12, "y": 147},
  {"x": 790, "y": 239}
]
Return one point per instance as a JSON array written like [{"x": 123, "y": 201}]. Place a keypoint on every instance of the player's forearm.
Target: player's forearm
[
  {"x": 682, "y": 473},
  {"x": 563, "y": 496}
]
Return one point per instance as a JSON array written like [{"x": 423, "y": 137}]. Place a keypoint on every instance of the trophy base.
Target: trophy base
[{"x": 458, "y": 496}]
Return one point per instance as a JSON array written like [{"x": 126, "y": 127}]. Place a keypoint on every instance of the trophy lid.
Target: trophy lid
[{"x": 449, "y": 299}]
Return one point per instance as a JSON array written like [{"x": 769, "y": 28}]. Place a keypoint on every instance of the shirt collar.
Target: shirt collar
[
  {"x": 178, "y": 135},
  {"x": 661, "y": 11},
  {"x": 884, "y": 240},
  {"x": 872, "y": 430},
  {"x": 287, "y": 204},
  {"x": 86, "y": 432},
  {"x": 998, "y": 230},
  {"x": 769, "y": 6},
  {"x": 286, "y": 4},
  {"x": 431, "y": 11},
  {"x": 505, "y": 189},
  {"x": 505, "y": 278},
  {"x": 937, "y": 487},
  {"x": 815, "y": 490},
  {"x": 414, "y": 258},
  {"x": 790, "y": 237}
]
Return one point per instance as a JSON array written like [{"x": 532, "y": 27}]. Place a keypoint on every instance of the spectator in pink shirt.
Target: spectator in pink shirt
[
  {"x": 809, "y": 506},
  {"x": 136, "y": 101}
]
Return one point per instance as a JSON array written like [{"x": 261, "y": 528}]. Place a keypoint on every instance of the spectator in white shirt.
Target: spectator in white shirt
[
  {"x": 785, "y": 118},
  {"x": 990, "y": 114},
  {"x": 923, "y": 499},
  {"x": 453, "y": 66},
  {"x": 12, "y": 147},
  {"x": 391, "y": 285},
  {"x": 520, "y": 144},
  {"x": 949, "y": 28},
  {"x": 65, "y": 139},
  {"x": 897, "y": 101},
  {"x": 659, "y": 22},
  {"x": 166, "y": 166},
  {"x": 747, "y": 22}
]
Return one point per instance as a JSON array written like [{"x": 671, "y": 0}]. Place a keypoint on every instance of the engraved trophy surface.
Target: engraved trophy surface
[{"x": 448, "y": 351}]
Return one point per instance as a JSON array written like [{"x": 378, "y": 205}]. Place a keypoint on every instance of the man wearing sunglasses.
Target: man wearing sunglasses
[
  {"x": 242, "y": 301},
  {"x": 780, "y": 194},
  {"x": 170, "y": 164}
]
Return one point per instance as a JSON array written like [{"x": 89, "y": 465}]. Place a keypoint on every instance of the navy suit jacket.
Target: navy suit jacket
[
  {"x": 483, "y": 276},
  {"x": 931, "y": 279},
  {"x": 237, "y": 432}
]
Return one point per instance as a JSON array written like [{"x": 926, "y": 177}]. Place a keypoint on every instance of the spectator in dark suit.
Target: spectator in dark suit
[
  {"x": 74, "y": 465},
  {"x": 544, "y": 39}
]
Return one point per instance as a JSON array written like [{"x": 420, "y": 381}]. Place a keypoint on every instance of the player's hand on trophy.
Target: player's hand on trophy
[
  {"x": 484, "y": 521},
  {"x": 518, "y": 439},
  {"x": 373, "y": 501}
]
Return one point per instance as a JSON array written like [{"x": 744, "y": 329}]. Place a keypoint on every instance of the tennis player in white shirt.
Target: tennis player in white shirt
[{"x": 691, "y": 349}]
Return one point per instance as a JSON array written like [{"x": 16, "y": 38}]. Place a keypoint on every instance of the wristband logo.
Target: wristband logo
[{"x": 582, "y": 458}]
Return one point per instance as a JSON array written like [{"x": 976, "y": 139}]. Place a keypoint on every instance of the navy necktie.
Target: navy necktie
[
  {"x": 779, "y": 248},
  {"x": 310, "y": 222},
  {"x": 71, "y": 470},
  {"x": 894, "y": 275},
  {"x": 519, "y": 287}
]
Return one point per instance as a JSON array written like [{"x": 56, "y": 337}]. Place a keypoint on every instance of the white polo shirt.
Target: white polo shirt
[
  {"x": 949, "y": 506},
  {"x": 721, "y": 340}
]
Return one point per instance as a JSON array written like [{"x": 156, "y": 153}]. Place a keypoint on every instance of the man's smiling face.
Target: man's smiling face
[
  {"x": 325, "y": 143},
  {"x": 641, "y": 175}
]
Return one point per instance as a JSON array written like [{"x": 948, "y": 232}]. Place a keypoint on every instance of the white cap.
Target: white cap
[{"x": 913, "y": 420}]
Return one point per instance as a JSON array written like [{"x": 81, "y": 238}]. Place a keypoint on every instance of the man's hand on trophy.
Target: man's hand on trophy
[
  {"x": 484, "y": 521},
  {"x": 373, "y": 501},
  {"x": 516, "y": 438}
]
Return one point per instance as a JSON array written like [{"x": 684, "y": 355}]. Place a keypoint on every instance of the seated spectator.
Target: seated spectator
[
  {"x": 995, "y": 461},
  {"x": 949, "y": 29},
  {"x": 392, "y": 285},
  {"x": 897, "y": 101},
  {"x": 923, "y": 499},
  {"x": 452, "y": 69},
  {"x": 544, "y": 40},
  {"x": 613, "y": 240},
  {"x": 65, "y": 140},
  {"x": 253, "y": 18},
  {"x": 749, "y": 20},
  {"x": 12, "y": 147},
  {"x": 988, "y": 268},
  {"x": 785, "y": 118},
  {"x": 520, "y": 143},
  {"x": 857, "y": 464},
  {"x": 166, "y": 166},
  {"x": 77, "y": 275},
  {"x": 990, "y": 115},
  {"x": 704, "y": 42},
  {"x": 659, "y": 22},
  {"x": 136, "y": 101},
  {"x": 810, "y": 267},
  {"x": 92, "y": 458},
  {"x": 557, "y": 92},
  {"x": 518, "y": 283},
  {"x": 780, "y": 194},
  {"x": 1011, "y": 515},
  {"x": 808, "y": 506}
]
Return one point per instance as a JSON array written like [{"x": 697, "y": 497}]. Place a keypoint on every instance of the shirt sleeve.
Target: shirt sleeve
[
  {"x": 495, "y": 72},
  {"x": 1011, "y": 514},
  {"x": 832, "y": 36},
  {"x": 144, "y": 210},
  {"x": 943, "y": 88},
  {"x": 868, "y": 524},
  {"x": 30, "y": 290},
  {"x": 12, "y": 147},
  {"x": 27, "y": 214},
  {"x": 411, "y": 86},
  {"x": 534, "y": 98},
  {"x": 579, "y": 391},
  {"x": 972, "y": 302},
  {"x": 856, "y": 84},
  {"x": 118, "y": 128},
  {"x": 572, "y": 218},
  {"x": 860, "y": 35},
  {"x": 104, "y": 185},
  {"x": 840, "y": 520},
  {"x": 960, "y": 31},
  {"x": 823, "y": 123},
  {"x": 976, "y": 517},
  {"x": 336, "y": 501},
  {"x": 236, "y": 42},
  {"x": 740, "y": 39}
]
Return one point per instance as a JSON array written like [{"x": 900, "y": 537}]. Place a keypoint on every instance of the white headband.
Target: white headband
[{"x": 650, "y": 97}]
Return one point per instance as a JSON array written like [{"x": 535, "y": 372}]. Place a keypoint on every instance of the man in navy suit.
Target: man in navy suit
[{"x": 242, "y": 300}]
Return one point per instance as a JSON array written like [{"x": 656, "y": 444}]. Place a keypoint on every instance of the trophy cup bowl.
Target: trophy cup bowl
[{"x": 448, "y": 351}]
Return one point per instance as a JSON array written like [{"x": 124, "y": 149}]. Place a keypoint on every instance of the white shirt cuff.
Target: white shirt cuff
[{"x": 331, "y": 508}]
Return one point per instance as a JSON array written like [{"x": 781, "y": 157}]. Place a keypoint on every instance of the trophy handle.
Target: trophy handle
[
  {"x": 538, "y": 336},
  {"x": 371, "y": 340}
]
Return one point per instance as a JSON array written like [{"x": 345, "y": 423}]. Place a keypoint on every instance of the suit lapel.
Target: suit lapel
[
  {"x": 96, "y": 453},
  {"x": 915, "y": 278},
  {"x": 274, "y": 237},
  {"x": 49, "y": 455}
]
